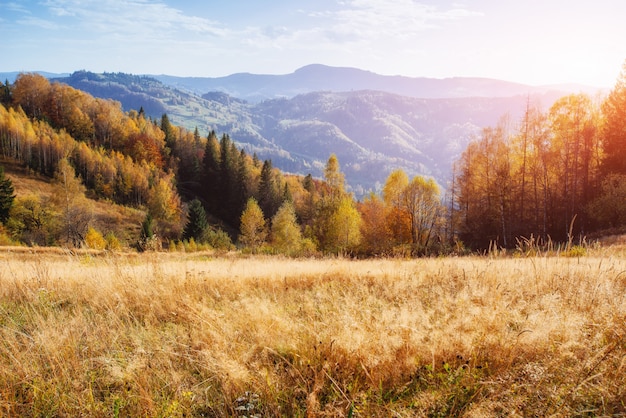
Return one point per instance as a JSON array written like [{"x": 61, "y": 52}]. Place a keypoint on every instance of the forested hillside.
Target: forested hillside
[
  {"x": 372, "y": 132},
  {"x": 552, "y": 175}
]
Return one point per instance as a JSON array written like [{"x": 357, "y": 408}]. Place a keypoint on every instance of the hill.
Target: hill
[
  {"x": 371, "y": 131},
  {"x": 108, "y": 217}
]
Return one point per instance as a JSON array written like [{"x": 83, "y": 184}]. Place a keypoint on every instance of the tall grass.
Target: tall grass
[{"x": 172, "y": 335}]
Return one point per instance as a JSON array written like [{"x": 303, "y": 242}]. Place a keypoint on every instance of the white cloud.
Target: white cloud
[
  {"x": 37, "y": 22},
  {"x": 15, "y": 7},
  {"x": 141, "y": 19},
  {"x": 399, "y": 19}
]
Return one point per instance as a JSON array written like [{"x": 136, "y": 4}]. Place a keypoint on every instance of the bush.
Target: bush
[
  {"x": 112, "y": 243},
  {"x": 95, "y": 240},
  {"x": 217, "y": 239}
]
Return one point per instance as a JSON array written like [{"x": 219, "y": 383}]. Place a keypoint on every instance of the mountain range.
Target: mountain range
[{"x": 373, "y": 123}]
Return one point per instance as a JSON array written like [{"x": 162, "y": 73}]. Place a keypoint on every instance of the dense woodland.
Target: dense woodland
[{"x": 554, "y": 176}]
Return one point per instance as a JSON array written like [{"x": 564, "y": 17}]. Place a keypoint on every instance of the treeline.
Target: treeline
[
  {"x": 555, "y": 176},
  {"x": 558, "y": 175}
]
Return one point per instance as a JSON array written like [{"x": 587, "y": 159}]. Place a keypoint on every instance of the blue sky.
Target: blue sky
[{"x": 533, "y": 41}]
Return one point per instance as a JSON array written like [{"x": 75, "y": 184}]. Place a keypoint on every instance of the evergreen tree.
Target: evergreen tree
[
  {"x": 6, "y": 196},
  {"x": 228, "y": 207},
  {"x": 197, "y": 223},
  {"x": 242, "y": 183},
  {"x": 168, "y": 130},
  {"x": 269, "y": 192},
  {"x": 5, "y": 93},
  {"x": 147, "y": 227},
  {"x": 211, "y": 172}
]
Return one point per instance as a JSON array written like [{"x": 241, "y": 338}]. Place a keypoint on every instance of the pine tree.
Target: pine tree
[{"x": 6, "y": 196}]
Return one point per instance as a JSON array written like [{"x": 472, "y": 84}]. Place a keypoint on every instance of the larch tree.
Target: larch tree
[
  {"x": 286, "y": 235},
  {"x": 614, "y": 129},
  {"x": 377, "y": 238},
  {"x": 396, "y": 213},
  {"x": 344, "y": 232},
  {"x": 253, "y": 229},
  {"x": 331, "y": 195}
]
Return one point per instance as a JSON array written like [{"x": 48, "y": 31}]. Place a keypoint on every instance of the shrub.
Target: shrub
[{"x": 95, "y": 240}]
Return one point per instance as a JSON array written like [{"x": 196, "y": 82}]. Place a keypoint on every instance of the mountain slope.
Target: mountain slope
[{"x": 371, "y": 132}]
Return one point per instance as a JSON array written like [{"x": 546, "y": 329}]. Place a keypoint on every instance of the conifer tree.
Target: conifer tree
[
  {"x": 168, "y": 130},
  {"x": 211, "y": 172},
  {"x": 269, "y": 191},
  {"x": 6, "y": 196},
  {"x": 197, "y": 223}
]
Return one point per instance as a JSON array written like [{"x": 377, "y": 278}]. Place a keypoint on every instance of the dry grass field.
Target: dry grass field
[{"x": 173, "y": 335}]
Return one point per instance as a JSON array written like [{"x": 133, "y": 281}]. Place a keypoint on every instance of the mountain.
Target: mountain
[
  {"x": 316, "y": 77},
  {"x": 372, "y": 132}
]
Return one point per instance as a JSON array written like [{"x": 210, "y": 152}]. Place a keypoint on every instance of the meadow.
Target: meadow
[{"x": 175, "y": 334}]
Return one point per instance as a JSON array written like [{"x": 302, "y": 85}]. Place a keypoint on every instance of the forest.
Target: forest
[{"x": 554, "y": 176}]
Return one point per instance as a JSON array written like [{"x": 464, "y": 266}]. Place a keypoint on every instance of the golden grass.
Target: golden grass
[{"x": 169, "y": 334}]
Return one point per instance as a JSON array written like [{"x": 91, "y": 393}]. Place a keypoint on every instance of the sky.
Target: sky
[{"x": 535, "y": 42}]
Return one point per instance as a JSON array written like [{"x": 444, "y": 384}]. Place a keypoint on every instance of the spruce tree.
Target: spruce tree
[
  {"x": 270, "y": 197},
  {"x": 6, "y": 196},
  {"x": 197, "y": 223}
]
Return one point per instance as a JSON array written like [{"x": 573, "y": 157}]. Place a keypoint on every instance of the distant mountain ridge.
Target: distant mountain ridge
[{"x": 317, "y": 77}]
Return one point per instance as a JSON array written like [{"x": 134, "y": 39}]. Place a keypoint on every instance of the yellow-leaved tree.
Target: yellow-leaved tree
[
  {"x": 253, "y": 230},
  {"x": 344, "y": 233},
  {"x": 286, "y": 234}
]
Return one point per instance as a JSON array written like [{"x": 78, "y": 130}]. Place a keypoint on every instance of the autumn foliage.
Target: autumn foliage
[{"x": 553, "y": 176}]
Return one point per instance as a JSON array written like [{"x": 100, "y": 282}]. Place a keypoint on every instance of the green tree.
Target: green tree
[
  {"x": 608, "y": 209},
  {"x": 211, "y": 173},
  {"x": 252, "y": 228},
  {"x": 197, "y": 223},
  {"x": 168, "y": 130},
  {"x": 6, "y": 196},
  {"x": 5, "y": 93},
  {"x": 270, "y": 197},
  {"x": 32, "y": 220},
  {"x": 286, "y": 234}
]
